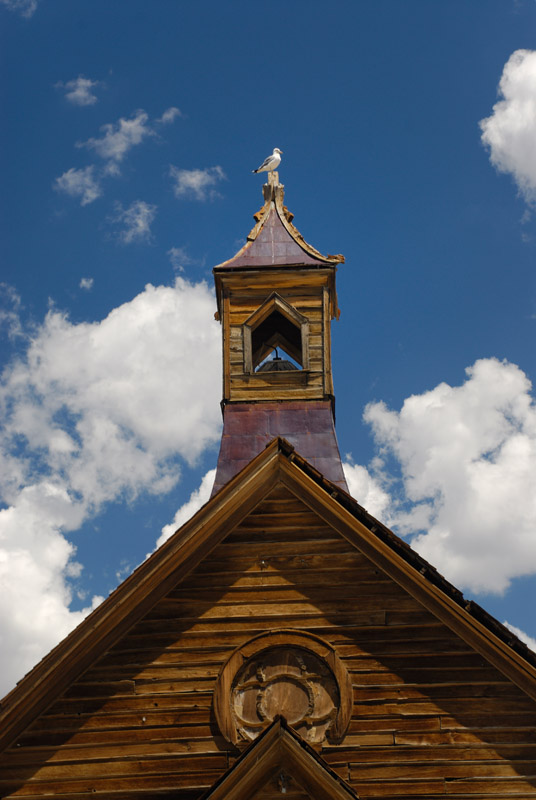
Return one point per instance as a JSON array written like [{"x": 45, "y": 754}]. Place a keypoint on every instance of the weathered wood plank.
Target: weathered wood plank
[
  {"x": 403, "y": 788},
  {"x": 441, "y": 753},
  {"x": 137, "y": 785},
  {"x": 174, "y": 764},
  {"x": 493, "y": 787},
  {"x": 111, "y": 752},
  {"x": 128, "y": 729}
]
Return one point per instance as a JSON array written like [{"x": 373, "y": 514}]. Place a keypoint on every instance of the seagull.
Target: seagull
[{"x": 270, "y": 163}]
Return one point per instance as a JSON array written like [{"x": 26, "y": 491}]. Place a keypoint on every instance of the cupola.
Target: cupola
[{"x": 276, "y": 300}]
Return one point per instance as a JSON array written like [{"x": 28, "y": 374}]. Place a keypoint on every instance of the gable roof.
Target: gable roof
[
  {"x": 278, "y": 464},
  {"x": 274, "y": 241},
  {"x": 280, "y": 752}
]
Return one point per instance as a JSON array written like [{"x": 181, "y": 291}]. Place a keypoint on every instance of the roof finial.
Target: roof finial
[{"x": 273, "y": 187}]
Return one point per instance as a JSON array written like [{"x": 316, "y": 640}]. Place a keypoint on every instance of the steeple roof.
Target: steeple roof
[{"x": 274, "y": 241}]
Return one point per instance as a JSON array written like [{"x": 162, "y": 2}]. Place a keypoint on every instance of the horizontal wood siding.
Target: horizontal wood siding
[
  {"x": 431, "y": 718},
  {"x": 315, "y": 382}
]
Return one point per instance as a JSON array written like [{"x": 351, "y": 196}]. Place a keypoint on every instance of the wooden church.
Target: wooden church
[{"x": 283, "y": 641}]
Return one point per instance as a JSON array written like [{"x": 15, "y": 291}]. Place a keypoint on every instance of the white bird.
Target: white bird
[{"x": 270, "y": 163}]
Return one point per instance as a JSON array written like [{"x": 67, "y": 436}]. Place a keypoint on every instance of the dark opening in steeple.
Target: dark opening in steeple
[{"x": 275, "y": 324}]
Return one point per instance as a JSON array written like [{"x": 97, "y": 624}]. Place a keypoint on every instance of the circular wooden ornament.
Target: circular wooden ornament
[{"x": 287, "y": 673}]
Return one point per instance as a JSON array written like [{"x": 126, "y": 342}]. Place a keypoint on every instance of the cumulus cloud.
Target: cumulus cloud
[
  {"x": 82, "y": 183},
  {"x": 86, "y": 283},
  {"x": 197, "y": 499},
  {"x": 77, "y": 436},
  {"x": 36, "y": 563},
  {"x": 368, "y": 489},
  {"x": 79, "y": 91},
  {"x": 136, "y": 221},
  {"x": 24, "y": 7},
  {"x": 467, "y": 461},
  {"x": 197, "y": 184},
  {"x": 510, "y": 131}
]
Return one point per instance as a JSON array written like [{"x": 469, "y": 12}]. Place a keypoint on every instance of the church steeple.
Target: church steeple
[{"x": 276, "y": 299}]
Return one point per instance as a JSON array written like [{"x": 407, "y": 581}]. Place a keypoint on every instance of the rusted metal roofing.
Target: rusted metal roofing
[
  {"x": 307, "y": 424},
  {"x": 274, "y": 241}
]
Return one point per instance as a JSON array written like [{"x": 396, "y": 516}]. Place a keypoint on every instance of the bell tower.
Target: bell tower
[{"x": 276, "y": 299}]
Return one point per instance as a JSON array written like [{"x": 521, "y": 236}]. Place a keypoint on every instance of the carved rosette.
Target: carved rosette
[{"x": 287, "y": 673}]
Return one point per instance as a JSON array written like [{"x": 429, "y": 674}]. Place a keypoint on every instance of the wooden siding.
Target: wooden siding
[
  {"x": 306, "y": 292},
  {"x": 430, "y": 718}
]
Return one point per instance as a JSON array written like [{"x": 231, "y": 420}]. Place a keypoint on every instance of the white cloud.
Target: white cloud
[
  {"x": 82, "y": 183},
  {"x": 10, "y": 305},
  {"x": 529, "y": 641},
  {"x": 179, "y": 258},
  {"x": 79, "y": 91},
  {"x": 24, "y": 7},
  {"x": 510, "y": 132},
  {"x": 87, "y": 283},
  {"x": 117, "y": 140},
  {"x": 197, "y": 499},
  {"x": 368, "y": 490},
  {"x": 93, "y": 413},
  {"x": 196, "y": 183},
  {"x": 113, "y": 146},
  {"x": 467, "y": 458},
  {"x": 136, "y": 220},
  {"x": 36, "y": 562},
  {"x": 169, "y": 115}
]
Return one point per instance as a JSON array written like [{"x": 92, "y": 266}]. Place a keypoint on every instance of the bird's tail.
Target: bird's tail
[{"x": 254, "y": 170}]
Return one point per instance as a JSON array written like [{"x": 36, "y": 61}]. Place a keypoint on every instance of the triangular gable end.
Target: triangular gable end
[
  {"x": 225, "y": 520},
  {"x": 180, "y": 554},
  {"x": 280, "y": 762}
]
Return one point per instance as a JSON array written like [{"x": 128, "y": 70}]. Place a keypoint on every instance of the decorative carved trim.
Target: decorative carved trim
[{"x": 289, "y": 673}]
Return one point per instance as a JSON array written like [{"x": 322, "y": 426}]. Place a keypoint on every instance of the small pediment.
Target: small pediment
[
  {"x": 275, "y": 324},
  {"x": 280, "y": 762}
]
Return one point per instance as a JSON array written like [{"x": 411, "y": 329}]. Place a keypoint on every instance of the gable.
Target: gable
[
  {"x": 279, "y": 762},
  {"x": 427, "y": 707}
]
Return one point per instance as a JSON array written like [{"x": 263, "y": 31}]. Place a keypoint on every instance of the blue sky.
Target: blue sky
[{"x": 130, "y": 130}]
